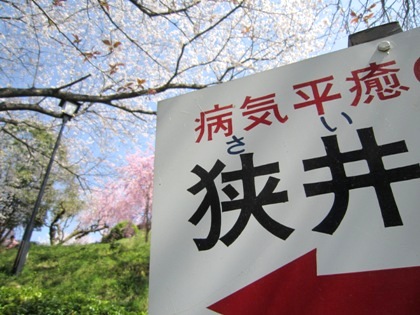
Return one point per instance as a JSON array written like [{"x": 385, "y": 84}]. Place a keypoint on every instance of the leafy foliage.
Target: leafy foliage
[
  {"x": 125, "y": 229},
  {"x": 78, "y": 279},
  {"x": 22, "y": 301}
]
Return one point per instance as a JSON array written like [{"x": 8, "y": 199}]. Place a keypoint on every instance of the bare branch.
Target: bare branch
[
  {"x": 5, "y": 106},
  {"x": 169, "y": 11},
  {"x": 208, "y": 29},
  {"x": 74, "y": 82},
  {"x": 74, "y": 97}
]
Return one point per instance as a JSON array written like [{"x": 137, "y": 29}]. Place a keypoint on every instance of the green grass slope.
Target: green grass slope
[{"x": 77, "y": 279}]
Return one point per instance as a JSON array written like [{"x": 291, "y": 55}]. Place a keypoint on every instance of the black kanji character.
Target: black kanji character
[
  {"x": 211, "y": 200},
  {"x": 252, "y": 204},
  {"x": 378, "y": 177}
]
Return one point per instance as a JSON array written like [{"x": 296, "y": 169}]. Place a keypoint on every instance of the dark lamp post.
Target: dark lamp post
[{"x": 69, "y": 110}]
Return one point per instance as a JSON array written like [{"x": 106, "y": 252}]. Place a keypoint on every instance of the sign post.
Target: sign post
[{"x": 293, "y": 191}]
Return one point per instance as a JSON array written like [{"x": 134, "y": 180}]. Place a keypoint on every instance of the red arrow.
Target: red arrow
[{"x": 295, "y": 289}]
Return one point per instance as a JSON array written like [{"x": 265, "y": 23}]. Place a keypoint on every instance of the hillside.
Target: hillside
[{"x": 77, "y": 279}]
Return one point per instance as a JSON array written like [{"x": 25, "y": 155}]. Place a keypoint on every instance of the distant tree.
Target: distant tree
[
  {"x": 65, "y": 210},
  {"x": 25, "y": 152},
  {"x": 126, "y": 198}
]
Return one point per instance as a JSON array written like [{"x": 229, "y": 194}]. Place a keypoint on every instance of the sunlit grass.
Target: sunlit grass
[{"x": 115, "y": 272}]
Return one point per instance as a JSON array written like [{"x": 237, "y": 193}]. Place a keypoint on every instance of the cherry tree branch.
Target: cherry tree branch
[
  {"x": 58, "y": 93},
  {"x": 169, "y": 11}
]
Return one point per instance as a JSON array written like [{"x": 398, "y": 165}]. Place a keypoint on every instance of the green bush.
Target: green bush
[
  {"x": 124, "y": 229},
  {"x": 29, "y": 301}
]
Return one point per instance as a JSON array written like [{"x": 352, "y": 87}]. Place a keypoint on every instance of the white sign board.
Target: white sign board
[{"x": 311, "y": 167}]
